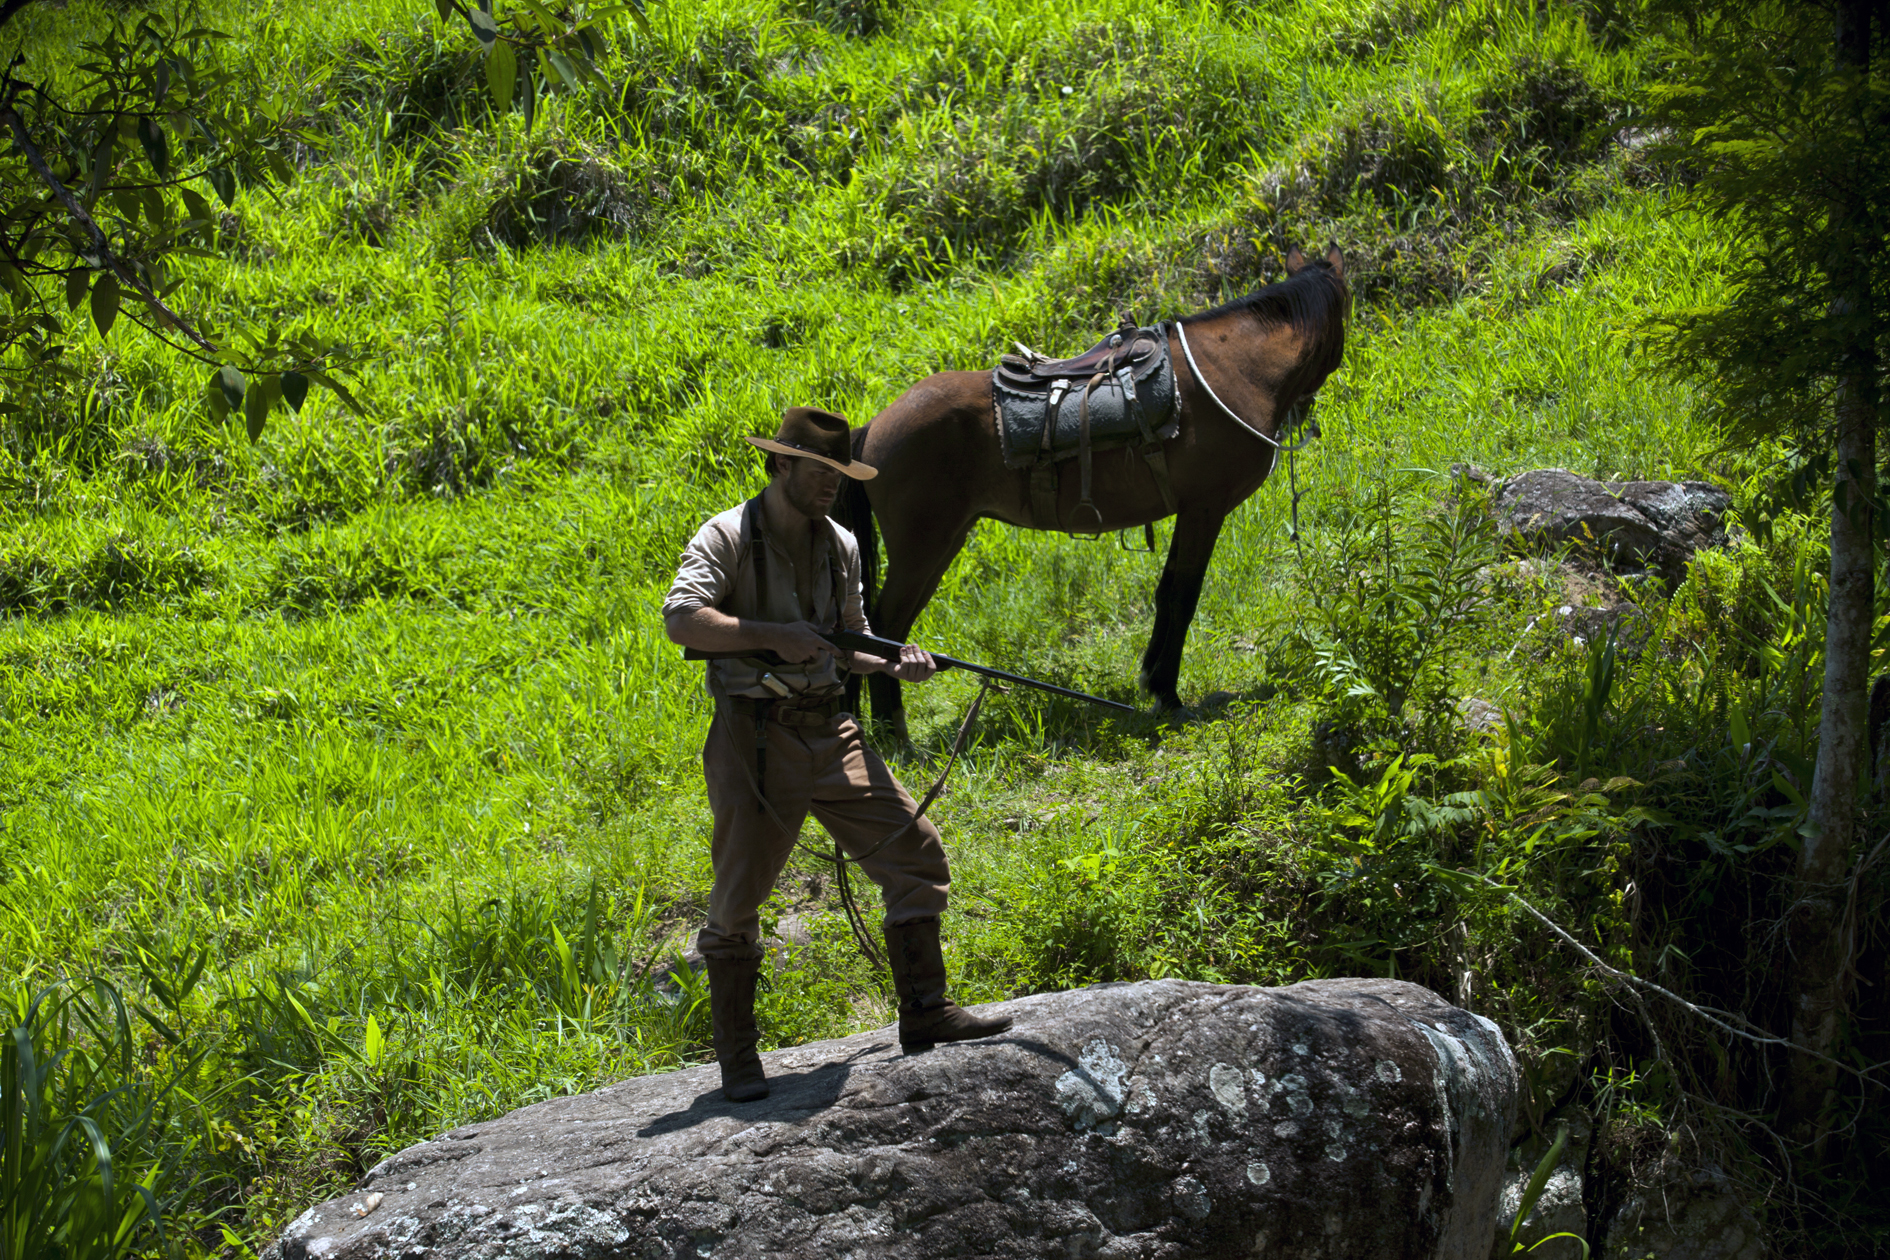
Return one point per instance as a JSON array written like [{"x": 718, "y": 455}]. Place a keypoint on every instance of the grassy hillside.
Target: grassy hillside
[{"x": 376, "y": 717}]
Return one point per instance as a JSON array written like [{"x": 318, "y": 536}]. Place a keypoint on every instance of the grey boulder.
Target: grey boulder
[
  {"x": 1328, "y": 1119},
  {"x": 1654, "y": 525}
]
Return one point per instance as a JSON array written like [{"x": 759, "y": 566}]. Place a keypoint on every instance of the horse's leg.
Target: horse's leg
[
  {"x": 1175, "y": 599},
  {"x": 916, "y": 561}
]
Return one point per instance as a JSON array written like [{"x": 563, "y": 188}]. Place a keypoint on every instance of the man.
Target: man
[{"x": 769, "y": 576}]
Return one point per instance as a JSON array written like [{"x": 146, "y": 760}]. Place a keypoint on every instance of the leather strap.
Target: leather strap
[
  {"x": 1150, "y": 450},
  {"x": 1051, "y": 407},
  {"x": 1084, "y": 458},
  {"x": 757, "y": 552},
  {"x": 1044, "y": 477},
  {"x": 762, "y": 708},
  {"x": 1044, "y": 480}
]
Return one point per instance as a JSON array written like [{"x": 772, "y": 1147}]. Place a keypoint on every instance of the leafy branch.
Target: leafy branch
[
  {"x": 563, "y": 49},
  {"x": 96, "y": 205}
]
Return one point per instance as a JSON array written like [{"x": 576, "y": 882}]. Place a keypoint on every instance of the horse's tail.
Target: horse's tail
[{"x": 856, "y": 513}]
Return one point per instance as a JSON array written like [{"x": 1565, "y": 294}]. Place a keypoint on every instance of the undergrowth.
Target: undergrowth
[{"x": 355, "y": 763}]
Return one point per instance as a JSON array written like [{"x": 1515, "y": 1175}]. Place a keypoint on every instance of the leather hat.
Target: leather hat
[{"x": 810, "y": 433}]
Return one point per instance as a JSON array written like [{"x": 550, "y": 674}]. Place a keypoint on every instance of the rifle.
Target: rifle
[{"x": 888, "y": 650}]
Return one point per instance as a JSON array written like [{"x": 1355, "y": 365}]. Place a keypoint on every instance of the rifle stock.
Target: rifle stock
[{"x": 889, "y": 649}]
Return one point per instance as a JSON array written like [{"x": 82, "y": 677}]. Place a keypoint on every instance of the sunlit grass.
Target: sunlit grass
[{"x": 335, "y": 705}]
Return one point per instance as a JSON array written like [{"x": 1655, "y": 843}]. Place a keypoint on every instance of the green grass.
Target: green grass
[{"x": 379, "y": 711}]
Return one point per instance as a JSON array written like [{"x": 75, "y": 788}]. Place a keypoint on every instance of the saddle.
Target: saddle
[{"x": 1120, "y": 392}]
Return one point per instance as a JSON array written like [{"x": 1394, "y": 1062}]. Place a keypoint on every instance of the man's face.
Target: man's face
[{"x": 810, "y": 486}]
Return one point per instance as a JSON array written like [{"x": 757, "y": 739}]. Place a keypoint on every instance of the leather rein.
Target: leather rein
[{"x": 1294, "y": 415}]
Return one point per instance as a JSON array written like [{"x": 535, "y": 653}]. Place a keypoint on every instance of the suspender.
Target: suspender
[{"x": 758, "y": 554}]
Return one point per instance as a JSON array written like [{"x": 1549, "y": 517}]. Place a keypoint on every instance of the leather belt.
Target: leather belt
[{"x": 790, "y": 712}]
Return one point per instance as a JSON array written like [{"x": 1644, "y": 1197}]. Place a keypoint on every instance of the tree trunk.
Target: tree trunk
[
  {"x": 1821, "y": 940},
  {"x": 1820, "y": 943}
]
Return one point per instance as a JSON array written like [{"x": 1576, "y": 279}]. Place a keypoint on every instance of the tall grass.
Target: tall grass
[{"x": 376, "y": 715}]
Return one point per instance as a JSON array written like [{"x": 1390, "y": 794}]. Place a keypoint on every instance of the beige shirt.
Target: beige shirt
[{"x": 717, "y": 571}]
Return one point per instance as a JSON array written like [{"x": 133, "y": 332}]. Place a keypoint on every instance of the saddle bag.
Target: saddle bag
[{"x": 1120, "y": 392}]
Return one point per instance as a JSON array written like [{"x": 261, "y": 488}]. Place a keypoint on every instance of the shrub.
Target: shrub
[
  {"x": 566, "y": 192},
  {"x": 857, "y": 18},
  {"x": 117, "y": 572}
]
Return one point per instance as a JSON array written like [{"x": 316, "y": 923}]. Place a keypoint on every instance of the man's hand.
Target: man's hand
[
  {"x": 915, "y": 664},
  {"x": 800, "y": 642}
]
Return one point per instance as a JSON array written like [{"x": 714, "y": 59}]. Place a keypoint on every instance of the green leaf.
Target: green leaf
[
  {"x": 101, "y": 163},
  {"x": 372, "y": 1043},
  {"x": 224, "y": 183},
  {"x": 194, "y": 205},
  {"x": 445, "y": 7},
  {"x": 216, "y": 398},
  {"x": 565, "y": 71},
  {"x": 483, "y": 26},
  {"x": 501, "y": 74},
  {"x": 157, "y": 146},
  {"x": 1789, "y": 792},
  {"x": 156, "y": 213},
  {"x": 77, "y": 281},
  {"x": 294, "y": 390},
  {"x": 105, "y": 303},
  {"x": 231, "y": 382},
  {"x": 339, "y": 390},
  {"x": 256, "y": 403}
]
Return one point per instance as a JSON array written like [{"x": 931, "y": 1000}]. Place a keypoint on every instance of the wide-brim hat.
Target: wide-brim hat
[{"x": 810, "y": 433}]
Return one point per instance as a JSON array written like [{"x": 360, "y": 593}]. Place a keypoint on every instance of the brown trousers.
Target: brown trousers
[{"x": 829, "y": 771}]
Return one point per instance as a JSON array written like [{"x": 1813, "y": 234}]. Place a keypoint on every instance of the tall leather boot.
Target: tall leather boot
[
  {"x": 926, "y": 1017},
  {"x": 732, "y": 1009}
]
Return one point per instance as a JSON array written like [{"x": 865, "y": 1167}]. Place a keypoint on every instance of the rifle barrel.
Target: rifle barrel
[
  {"x": 947, "y": 662},
  {"x": 888, "y": 649}
]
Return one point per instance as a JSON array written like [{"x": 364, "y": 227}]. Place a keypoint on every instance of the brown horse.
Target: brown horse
[{"x": 941, "y": 469}]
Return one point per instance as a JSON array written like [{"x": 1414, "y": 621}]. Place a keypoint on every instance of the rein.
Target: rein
[
  {"x": 862, "y": 936},
  {"x": 1295, "y": 416}
]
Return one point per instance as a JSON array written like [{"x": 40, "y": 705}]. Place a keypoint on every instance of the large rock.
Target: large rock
[
  {"x": 1655, "y": 525},
  {"x": 1329, "y": 1119},
  {"x": 1702, "y": 1219}
]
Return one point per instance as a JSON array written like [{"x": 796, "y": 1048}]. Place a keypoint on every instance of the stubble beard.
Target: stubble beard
[{"x": 804, "y": 496}]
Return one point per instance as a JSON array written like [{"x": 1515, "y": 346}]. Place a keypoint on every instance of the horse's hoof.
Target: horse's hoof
[{"x": 1219, "y": 699}]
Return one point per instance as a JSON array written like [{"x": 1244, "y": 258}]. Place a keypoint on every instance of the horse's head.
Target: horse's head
[{"x": 1314, "y": 300}]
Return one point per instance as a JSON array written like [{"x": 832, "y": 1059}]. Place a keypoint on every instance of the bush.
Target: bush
[
  {"x": 562, "y": 191},
  {"x": 857, "y": 18}
]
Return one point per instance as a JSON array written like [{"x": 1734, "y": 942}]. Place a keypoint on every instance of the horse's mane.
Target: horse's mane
[
  {"x": 1312, "y": 303},
  {"x": 1309, "y": 302}
]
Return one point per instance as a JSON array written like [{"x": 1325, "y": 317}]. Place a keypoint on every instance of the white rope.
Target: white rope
[{"x": 1231, "y": 413}]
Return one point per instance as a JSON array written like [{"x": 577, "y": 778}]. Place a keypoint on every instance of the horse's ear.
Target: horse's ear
[
  {"x": 1295, "y": 261},
  {"x": 1335, "y": 259}
]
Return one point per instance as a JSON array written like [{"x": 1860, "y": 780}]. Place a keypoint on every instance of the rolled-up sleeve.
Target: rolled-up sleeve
[{"x": 705, "y": 574}]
